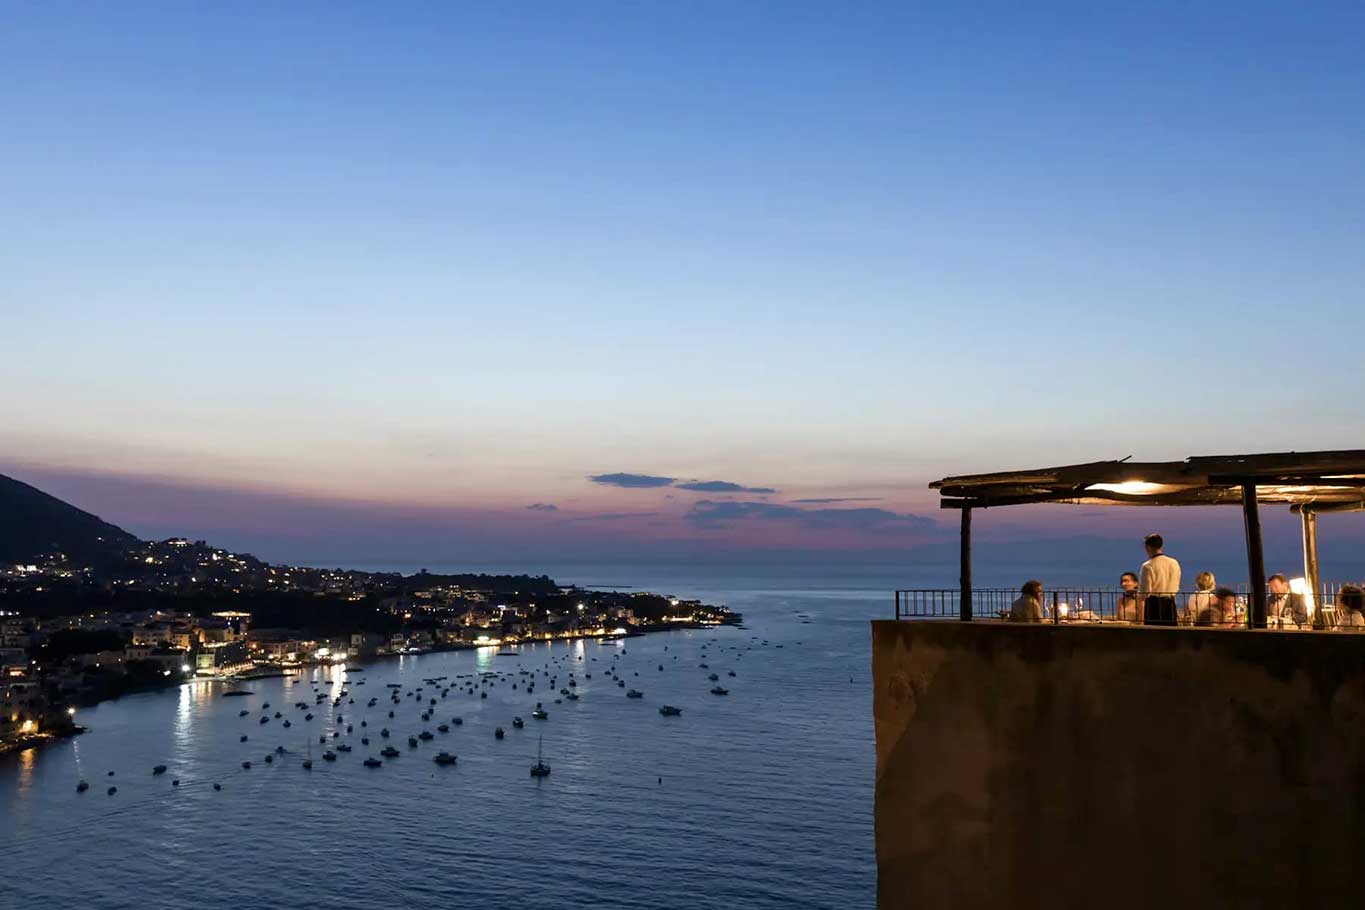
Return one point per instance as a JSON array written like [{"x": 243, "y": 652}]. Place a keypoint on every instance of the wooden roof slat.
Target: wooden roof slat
[{"x": 1335, "y": 477}]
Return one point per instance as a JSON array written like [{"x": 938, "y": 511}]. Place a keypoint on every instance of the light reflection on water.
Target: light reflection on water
[{"x": 765, "y": 799}]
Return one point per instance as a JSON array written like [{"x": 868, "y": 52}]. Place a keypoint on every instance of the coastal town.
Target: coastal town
[{"x": 175, "y": 611}]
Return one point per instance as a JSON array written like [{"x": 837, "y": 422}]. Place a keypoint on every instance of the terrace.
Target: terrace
[{"x": 1308, "y": 483}]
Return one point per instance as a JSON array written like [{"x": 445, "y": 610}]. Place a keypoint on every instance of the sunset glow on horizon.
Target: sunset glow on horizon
[{"x": 418, "y": 281}]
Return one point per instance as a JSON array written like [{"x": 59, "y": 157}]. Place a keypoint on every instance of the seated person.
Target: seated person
[
  {"x": 1028, "y": 607},
  {"x": 1201, "y": 599},
  {"x": 1126, "y": 608},
  {"x": 1350, "y": 607},
  {"x": 1282, "y": 607},
  {"x": 1221, "y": 611}
]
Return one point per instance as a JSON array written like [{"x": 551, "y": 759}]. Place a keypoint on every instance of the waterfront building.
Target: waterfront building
[{"x": 217, "y": 658}]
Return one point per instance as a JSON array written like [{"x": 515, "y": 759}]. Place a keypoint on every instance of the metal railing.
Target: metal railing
[{"x": 1301, "y": 609}]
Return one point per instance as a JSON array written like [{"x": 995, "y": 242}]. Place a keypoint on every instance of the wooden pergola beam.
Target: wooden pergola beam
[{"x": 1251, "y": 515}]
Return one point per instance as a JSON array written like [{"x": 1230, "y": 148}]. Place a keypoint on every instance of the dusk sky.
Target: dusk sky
[{"x": 352, "y": 283}]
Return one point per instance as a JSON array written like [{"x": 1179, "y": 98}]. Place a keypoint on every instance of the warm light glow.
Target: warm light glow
[
  {"x": 1128, "y": 487},
  {"x": 1300, "y": 587}
]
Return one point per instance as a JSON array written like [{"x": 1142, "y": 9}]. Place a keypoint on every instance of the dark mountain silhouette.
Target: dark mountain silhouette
[{"x": 34, "y": 525}]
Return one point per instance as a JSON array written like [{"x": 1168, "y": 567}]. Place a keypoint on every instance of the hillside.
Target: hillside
[{"x": 34, "y": 524}]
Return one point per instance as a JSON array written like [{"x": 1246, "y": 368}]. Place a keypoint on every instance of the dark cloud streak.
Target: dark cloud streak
[
  {"x": 721, "y": 486},
  {"x": 631, "y": 481}
]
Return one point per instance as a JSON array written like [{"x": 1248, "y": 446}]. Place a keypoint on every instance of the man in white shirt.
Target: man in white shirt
[{"x": 1158, "y": 583}]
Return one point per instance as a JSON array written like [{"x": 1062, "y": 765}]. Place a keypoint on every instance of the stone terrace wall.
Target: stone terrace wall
[{"x": 1074, "y": 766}]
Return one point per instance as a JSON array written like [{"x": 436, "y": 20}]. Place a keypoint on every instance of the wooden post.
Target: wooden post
[
  {"x": 1251, "y": 515},
  {"x": 965, "y": 578},
  {"x": 1310, "y": 561}
]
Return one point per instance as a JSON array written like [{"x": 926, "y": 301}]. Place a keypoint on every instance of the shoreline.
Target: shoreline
[{"x": 36, "y": 740}]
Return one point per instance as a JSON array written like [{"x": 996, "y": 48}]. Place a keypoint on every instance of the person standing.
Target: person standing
[{"x": 1158, "y": 584}]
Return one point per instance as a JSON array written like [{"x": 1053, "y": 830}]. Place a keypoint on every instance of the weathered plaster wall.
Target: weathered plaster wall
[{"x": 1045, "y": 766}]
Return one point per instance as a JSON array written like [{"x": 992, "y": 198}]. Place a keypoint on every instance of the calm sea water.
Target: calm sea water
[{"x": 765, "y": 798}]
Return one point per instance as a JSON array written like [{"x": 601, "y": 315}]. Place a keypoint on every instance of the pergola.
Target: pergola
[{"x": 1308, "y": 482}]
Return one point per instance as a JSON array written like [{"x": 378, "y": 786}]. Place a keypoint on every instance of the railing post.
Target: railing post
[
  {"x": 965, "y": 578},
  {"x": 1251, "y": 515}
]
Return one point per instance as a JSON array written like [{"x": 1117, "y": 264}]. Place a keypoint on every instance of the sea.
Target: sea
[{"x": 759, "y": 798}]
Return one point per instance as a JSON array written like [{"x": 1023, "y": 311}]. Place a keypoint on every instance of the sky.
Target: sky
[{"x": 356, "y": 283}]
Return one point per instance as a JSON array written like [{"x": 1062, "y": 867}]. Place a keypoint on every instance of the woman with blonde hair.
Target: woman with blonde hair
[{"x": 1200, "y": 600}]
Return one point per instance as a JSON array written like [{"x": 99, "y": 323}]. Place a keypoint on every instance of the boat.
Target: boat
[
  {"x": 457, "y": 721},
  {"x": 713, "y": 677},
  {"x": 518, "y": 722},
  {"x": 343, "y": 747},
  {"x": 329, "y": 755},
  {"x": 265, "y": 720},
  {"x": 159, "y": 769},
  {"x": 243, "y": 713},
  {"x": 372, "y": 762},
  {"x": 539, "y": 714},
  {"x": 269, "y": 760},
  {"x": 670, "y": 711},
  {"x": 246, "y": 765},
  {"x": 384, "y": 732},
  {"x": 242, "y": 739},
  {"x": 497, "y": 732},
  {"x": 389, "y": 752},
  {"x": 720, "y": 690},
  {"x": 635, "y": 693},
  {"x": 540, "y": 769},
  {"x": 444, "y": 758},
  {"x": 572, "y": 696},
  {"x": 82, "y": 787},
  {"x": 444, "y": 728},
  {"x": 236, "y": 692},
  {"x": 425, "y": 735},
  {"x": 111, "y": 791}
]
